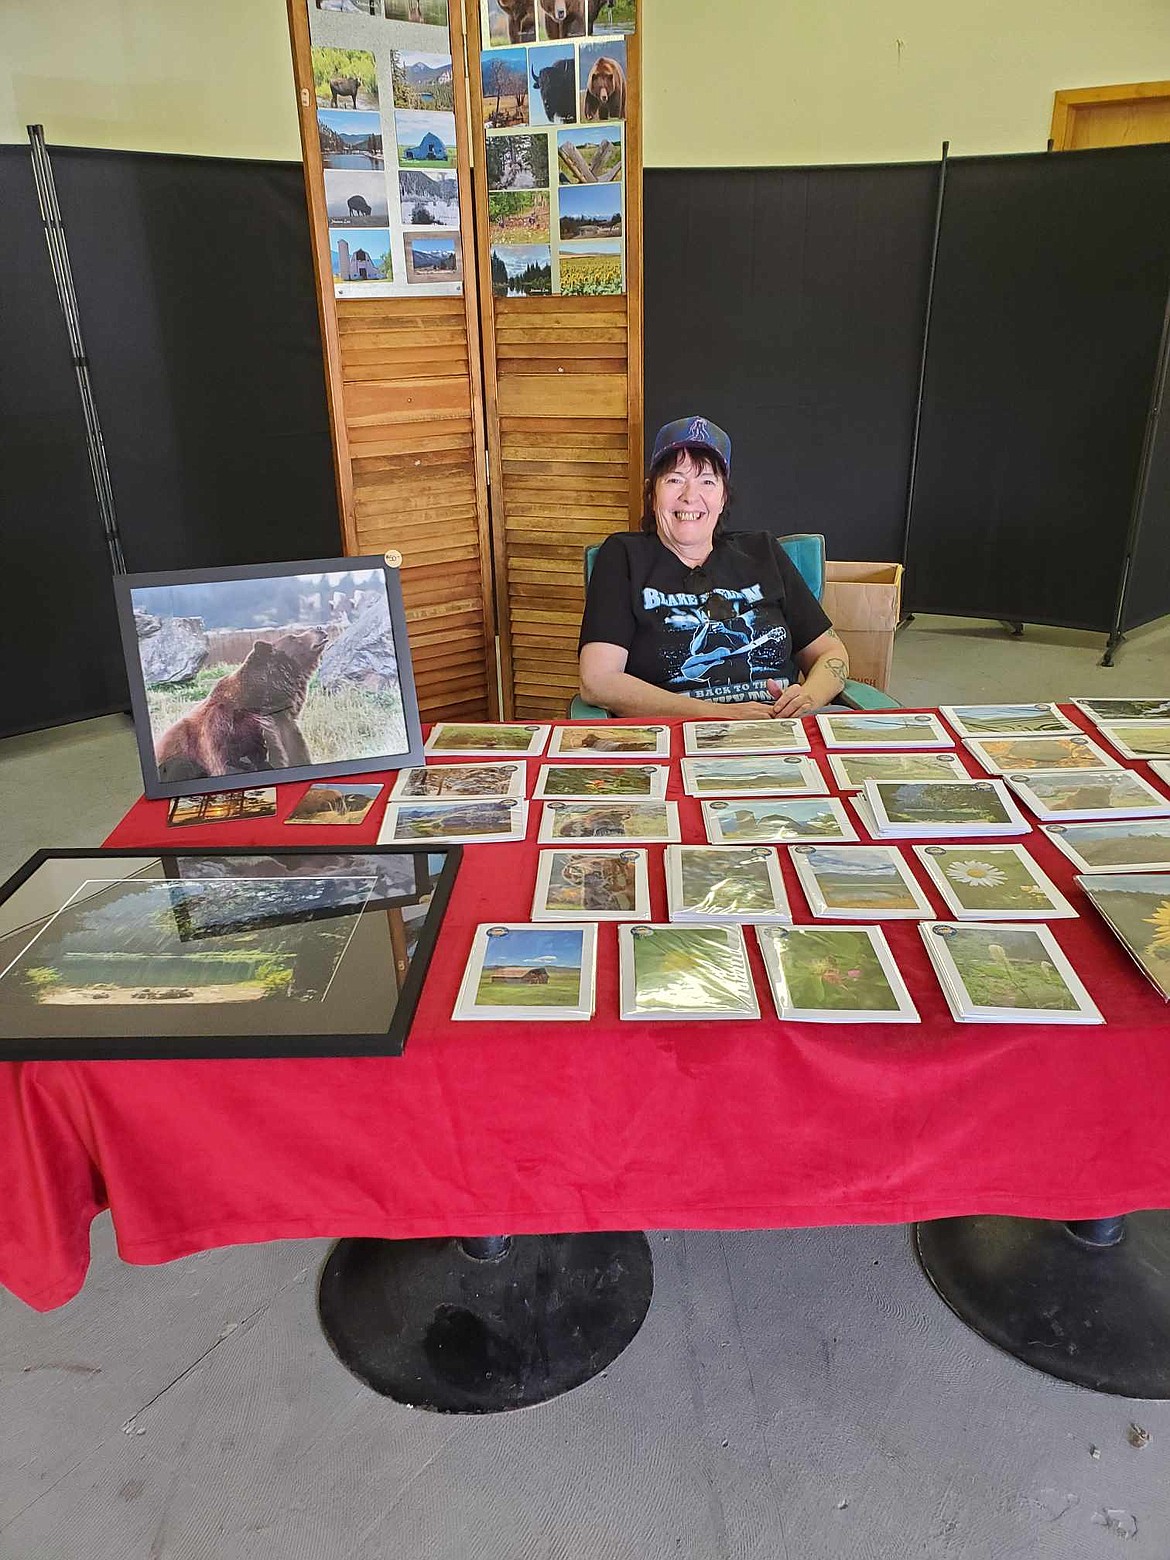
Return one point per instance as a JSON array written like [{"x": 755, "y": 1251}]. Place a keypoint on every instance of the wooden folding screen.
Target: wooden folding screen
[
  {"x": 404, "y": 381},
  {"x": 552, "y": 387},
  {"x": 563, "y": 392}
]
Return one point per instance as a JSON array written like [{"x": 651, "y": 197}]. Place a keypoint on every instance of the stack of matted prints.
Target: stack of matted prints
[
  {"x": 477, "y": 800},
  {"x": 603, "y": 794}
]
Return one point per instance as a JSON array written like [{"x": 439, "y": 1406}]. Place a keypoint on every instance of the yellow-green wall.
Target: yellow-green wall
[
  {"x": 726, "y": 81},
  {"x": 732, "y": 82}
]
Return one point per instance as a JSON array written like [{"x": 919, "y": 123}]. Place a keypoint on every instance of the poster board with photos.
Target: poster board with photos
[
  {"x": 383, "y": 94},
  {"x": 554, "y": 90},
  {"x": 290, "y": 671},
  {"x": 560, "y": 286},
  {"x": 401, "y": 341},
  {"x": 229, "y": 953}
]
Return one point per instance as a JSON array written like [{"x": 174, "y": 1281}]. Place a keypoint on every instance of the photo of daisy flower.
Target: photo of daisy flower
[{"x": 993, "y": 882}]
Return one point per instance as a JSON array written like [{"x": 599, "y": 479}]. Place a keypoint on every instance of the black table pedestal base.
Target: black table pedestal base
[
  {"x": 1086, "y": 1302},
  {"x": 480, "y": 1326}
]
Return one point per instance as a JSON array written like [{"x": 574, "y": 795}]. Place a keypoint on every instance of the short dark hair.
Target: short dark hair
[{"x": 702, "y": 456}]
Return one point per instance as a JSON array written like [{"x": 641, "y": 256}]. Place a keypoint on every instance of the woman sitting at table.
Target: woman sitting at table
[{"x": 688, "y": 611}]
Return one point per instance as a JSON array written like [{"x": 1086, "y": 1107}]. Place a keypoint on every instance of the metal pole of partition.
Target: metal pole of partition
[
  {"x": 1137, "y": 510},
  {"x": 913, "y": 477},
  {"x": 67, "y": 297}
]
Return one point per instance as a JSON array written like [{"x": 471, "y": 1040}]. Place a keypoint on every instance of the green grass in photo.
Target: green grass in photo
[
  {"x": 562, "y": 989},
  {"x": 577, "y": 780},
  {"x": 689, "y": 969},
  {"x": 719, "y": 885},
  {"x": 833, "y": 971},
  {"x": 990, "y": 880},
  {"x": 1009, "y": 969}
]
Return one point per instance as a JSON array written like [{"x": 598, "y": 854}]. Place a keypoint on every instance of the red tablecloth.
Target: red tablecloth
[{"x": 527, "y": 1128}]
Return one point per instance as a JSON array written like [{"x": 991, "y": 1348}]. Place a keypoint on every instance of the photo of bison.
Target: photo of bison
[{"x": 553, "y": 100}]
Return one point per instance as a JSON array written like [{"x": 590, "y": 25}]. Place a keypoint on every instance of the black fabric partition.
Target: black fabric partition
[
  {"x": 1047, "y": 313},
  {"x": 788, "y": 305},
  {"x": 1148, "y": 594},
  {"x": 198, "y": 304}
]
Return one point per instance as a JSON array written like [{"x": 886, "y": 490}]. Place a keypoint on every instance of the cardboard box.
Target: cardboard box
[{"x": 864, "y": 601}]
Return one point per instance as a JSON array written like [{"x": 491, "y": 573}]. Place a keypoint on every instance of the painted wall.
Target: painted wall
[
  {"x": 728, "y": 82},
  {"x": 765, "y": 82}
]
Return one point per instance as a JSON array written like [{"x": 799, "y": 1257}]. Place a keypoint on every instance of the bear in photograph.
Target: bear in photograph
[
  {"x": 253, "y": 672},
  {"x": 603, "y": 80}
]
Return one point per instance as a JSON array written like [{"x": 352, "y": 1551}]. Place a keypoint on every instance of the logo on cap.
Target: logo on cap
[{"x": 698, "y": 432}]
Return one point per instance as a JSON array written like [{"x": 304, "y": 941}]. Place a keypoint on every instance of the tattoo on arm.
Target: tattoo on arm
[{"x": 839, "y": 669}]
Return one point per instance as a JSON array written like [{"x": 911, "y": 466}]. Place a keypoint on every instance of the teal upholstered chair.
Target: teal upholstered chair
[{"x": 807, "y": 552}]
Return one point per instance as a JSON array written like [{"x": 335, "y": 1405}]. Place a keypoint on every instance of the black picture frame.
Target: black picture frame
[
  {"x": 158, "y": 785},
  {"x": 388, "y": 1042}
]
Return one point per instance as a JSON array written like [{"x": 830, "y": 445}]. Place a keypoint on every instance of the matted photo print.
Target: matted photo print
[
  {"x": 610, "y": 741},
  {"x": 793, "y": 774},
  {"x": 834, "y": 975},
  {"x": 777, "y": 821},
  {"x": 529, "y": 973},
  {"x": 636, "y": 822},
  {"x": 744, "y": 737},
  {"x": 1006, "y": 974},
  {"x": 454, "y": 782},
  {"x": 1001, "y": 755},
  {"x": 1108, "y": 711},
  {"x": 725, "y": 883},
  {"x": 461, "y": 823},
  {"x": 1006, "y": 720},
  {"x": 1121, "y": 845},
  {"x": 472, "y": 739},
  {"x": 582, "y": 782},
  {"x": 289, "y": 671},
  {"x": 892, "y": 730},
  {"x": 592, "y": 885},
  {"x": 859, "y": 882},
  {"x": 673, "y": 972},
  {"x": 981, "y": 882},
  {"x": 852, "y": 770}
]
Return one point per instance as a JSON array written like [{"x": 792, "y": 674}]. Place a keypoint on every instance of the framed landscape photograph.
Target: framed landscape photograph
[
  {"x": 271, "y": 672},
  {"x": 119, "y": 954}
]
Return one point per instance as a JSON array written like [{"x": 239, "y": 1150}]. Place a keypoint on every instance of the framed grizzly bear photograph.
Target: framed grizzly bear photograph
[{"x": 290, "y": 671}]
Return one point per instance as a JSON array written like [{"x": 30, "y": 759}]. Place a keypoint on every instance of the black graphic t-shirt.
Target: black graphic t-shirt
[{"x": 649, "y": 602}]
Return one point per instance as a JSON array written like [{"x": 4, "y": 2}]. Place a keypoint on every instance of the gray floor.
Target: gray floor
[{"x": 796, "y": 1394}]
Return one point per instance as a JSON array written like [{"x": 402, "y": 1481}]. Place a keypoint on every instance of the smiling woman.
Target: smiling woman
[{"x": 688, "y": 611}]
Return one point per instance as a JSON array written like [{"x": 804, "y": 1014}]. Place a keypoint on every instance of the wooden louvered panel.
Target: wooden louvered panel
[
  {"x": 564, "y": 411},
  {"x": 405, "y": 395}
]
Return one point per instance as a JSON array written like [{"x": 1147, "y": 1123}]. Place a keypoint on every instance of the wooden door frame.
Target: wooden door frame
[{"x": 1066, "y": 103}]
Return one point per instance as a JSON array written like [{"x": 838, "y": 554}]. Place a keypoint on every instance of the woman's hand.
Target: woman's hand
[{"x": 791, "y": 702}]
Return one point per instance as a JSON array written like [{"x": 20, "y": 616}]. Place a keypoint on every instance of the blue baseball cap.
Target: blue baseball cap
[{"x": 692, "y": 430}]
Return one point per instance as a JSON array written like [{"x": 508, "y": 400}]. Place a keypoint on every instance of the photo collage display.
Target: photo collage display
[
  {"x": 384, "y": 85},
  {"x": 555, "y": 82}
]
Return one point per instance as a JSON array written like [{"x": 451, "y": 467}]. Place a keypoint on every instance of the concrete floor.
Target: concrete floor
[{"x": 795, "y": 1394}]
